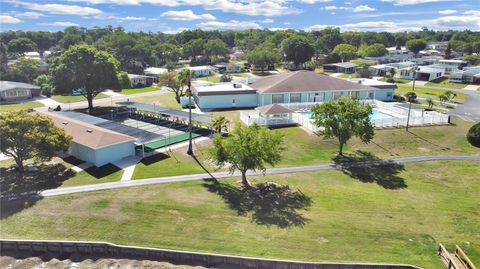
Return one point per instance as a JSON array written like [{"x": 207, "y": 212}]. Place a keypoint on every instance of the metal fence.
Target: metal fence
[{"x": 254, "y": 117}]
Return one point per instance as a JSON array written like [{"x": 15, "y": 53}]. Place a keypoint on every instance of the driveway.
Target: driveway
[{"x": 470, "y": 109}]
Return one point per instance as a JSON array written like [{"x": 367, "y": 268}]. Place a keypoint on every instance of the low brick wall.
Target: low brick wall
[{"x": 64, "y": 249}]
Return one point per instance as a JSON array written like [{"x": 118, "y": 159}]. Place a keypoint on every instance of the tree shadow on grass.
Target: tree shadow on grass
[
  {"x": 17, "y": 194},
  {"x": 103, "y": 171},
  {"x": 268, "y": 203},
  {"x": 367, "y": 168},
  {"x": 154, "y": 158}
]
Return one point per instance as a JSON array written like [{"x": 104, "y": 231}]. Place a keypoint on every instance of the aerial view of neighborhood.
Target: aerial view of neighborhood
[{"x": 232, "y": 134}]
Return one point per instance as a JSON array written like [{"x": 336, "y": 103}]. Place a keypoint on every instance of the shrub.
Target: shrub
[
  {"x": 390, "y": 80},
  {"x": 364, "y": 73},
  {"x": 124, "y": 80},
  {"x": 225, "y": 78},
  {"x": 473, "y": 135}
]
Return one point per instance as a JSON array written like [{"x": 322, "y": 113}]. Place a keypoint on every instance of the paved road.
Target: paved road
[
  {"x": 281, "y": 170},
  {"x": 469, "y": 110},
  {"x": 112, "y": 99}
]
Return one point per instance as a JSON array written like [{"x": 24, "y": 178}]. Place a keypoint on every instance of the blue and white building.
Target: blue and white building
[{"x": 291, "y": 89}]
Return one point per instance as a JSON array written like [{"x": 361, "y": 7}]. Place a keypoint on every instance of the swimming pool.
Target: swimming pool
[{"x": 376, "y": 115}]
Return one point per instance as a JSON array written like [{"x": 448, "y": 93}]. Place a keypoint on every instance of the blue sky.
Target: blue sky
[{"x": 171, "y": 16}]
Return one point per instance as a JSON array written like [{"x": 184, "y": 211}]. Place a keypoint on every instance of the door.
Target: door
[{"x": 233, "y": 101}]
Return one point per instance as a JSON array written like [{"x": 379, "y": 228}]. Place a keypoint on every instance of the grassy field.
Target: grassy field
[
  {"x": 348, "y": 76},
  {"x": 398, "y": 80},
  {"x": 56, "y": 173},
  {"x": 303, "y": 148},
  {"x": 393, "y": 214},
  {"x": 139, "y": 90},
  {"x": 443, "y": 82},
  {"x": 213, "y": 79},
  {"x": 427, "y": 93},
  {"x": 74, "y": 98},
  {"x": 167, "y": 99},
  {"x": 20, "y": 106}
]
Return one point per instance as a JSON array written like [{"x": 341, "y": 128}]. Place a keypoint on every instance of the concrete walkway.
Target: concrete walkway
[
  {"x": 49, "y": 102},
  {"x": 128, "y": 166},
  {"x": 471, "y": 87},
  {"x": 281, "y": 170},
  {"x": 112, "y": 93}
]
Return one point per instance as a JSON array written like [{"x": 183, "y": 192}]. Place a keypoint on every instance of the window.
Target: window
[
  {"x": 337, "y": 95},
  {"x": 354, "y": 94},
  {"x": 277, "y": 98},
  {"x": 295, "y": 98}
]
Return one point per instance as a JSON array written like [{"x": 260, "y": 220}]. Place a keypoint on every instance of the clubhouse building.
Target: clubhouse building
[{"x": 289, "y": 89}]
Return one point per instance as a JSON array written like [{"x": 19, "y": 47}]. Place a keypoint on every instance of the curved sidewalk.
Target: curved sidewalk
[{"x": 279, "y": 170}]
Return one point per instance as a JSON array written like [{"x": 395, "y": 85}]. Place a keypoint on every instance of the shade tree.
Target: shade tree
[{"x": 343, "y": 119}]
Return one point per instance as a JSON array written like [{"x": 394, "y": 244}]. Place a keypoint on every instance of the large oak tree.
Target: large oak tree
[
  {"x": 343, "y": 119},
  {"x": 30, "y": 136},
  {"x": 87, "y": 69}
]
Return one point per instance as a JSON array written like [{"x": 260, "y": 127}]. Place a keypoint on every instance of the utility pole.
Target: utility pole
[
  {"x": 414, "y": 71},
  {"x": 189, "y": 92}
]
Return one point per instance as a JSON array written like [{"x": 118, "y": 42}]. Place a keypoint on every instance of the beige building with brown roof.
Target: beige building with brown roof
[{"x": 94, "y": 144}]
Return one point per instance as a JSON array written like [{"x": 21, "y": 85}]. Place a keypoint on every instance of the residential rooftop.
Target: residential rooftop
[
  {"x": 87, "y": 134},
  {"x": 222, "y": 88},
  {"x": 8, "y": 85}
]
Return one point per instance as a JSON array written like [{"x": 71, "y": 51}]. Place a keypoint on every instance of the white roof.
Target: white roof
[
  {"x": 8, "y": 85},
  {"x": 370, "y": 82},
  {"x": 222, "y": 87},
  {"x": 155, "y": 70},
  {"x": 452, "y": 61},
  {"x": 429, "y": 69},
  {"x": 31, "y": 54},
  {"x": 198, "y": 68}
]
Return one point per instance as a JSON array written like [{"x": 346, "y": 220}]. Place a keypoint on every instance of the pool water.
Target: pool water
[{"x": 376, "y": 115}]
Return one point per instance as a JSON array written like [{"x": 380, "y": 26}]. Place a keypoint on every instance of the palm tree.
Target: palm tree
[
  {"x": 185, "y": 78},
  {"x": 219, "y": 123},
  {"x": 443, "y": 98},
  {"x": 392, "y": 72},
  {"x": 430, "y": 103},
  {"x": 450, "y": 95}
]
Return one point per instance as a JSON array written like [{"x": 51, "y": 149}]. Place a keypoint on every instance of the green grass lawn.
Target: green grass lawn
[
  {"x": 56, "y": 173},
  {"x": 398, "y": 80},
  {"x": 427, "y": 92},
  {"x": 74, "y": 98},
  {"x": 443, "y": 82},
  {"x": 166, "y": 99},
  {"x": 348, "y": 76},
  {"x": 352, "y": 216},
  {"x": 213, "y": 79},
  {"x": 20, "y": 106},
  {"x": 139, "y": 90},
  {"x": 303, "y": 148}
]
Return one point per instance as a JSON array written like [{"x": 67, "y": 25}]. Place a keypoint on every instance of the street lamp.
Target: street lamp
[
  {"x": 189, "y": 92},
  {"x": 414, "y": 72}
]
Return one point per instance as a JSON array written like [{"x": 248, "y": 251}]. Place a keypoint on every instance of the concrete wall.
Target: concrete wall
[
  {"x": 82, "y": 152},
  {"x": 106, "y": 250},
  {"x": 226, "y": 101},
  {"x": 382, "y": 95},
  {"x": 114, "y": 153},
  {"x": 104, "y": 155},
  {"x": 4, "y": 95}
]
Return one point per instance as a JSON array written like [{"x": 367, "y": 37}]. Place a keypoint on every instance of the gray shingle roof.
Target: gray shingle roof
[
  {"x": 304, "y": 81},
  {"x": 8, "y": 85},
  {"x": 273, "y": 109}
]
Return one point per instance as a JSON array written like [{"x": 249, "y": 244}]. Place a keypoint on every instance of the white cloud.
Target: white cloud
[
  {"x": 59, "y": 23},
  {"x": 186, "y": 15},
  {"x": 314, "y": 1},
  {"x": 375, "y": 26},
  {"x": 230, "y": 25},
  {"x": 59, "y": 8},
  {"x": 29, "y": 15},
  {"x": 472, "y": 12},
  {"x": 447, "y": 11},
  {"x": 278, "y": 29},
  {"x": 331, "y": 8},
  {"x": 414, "y": 2},
  {"x": 131, "y": 18},
  {"x": 175, "y": 31},
  {"x": 7, "y": 19},
  {"x": 267, "y": 21},
  {"x": 252, "y": 8},
  {"x": 471, "y": 22},
  {"x": 363, "y": 8}
]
